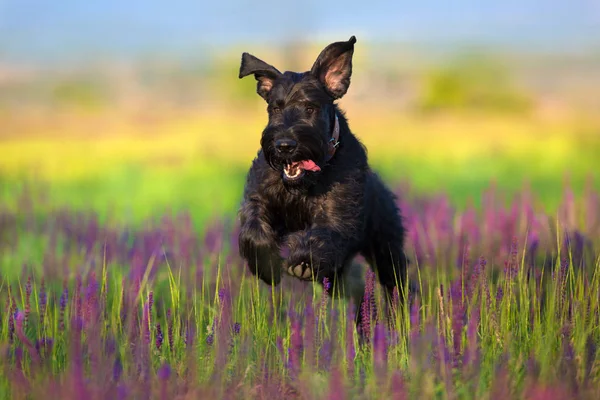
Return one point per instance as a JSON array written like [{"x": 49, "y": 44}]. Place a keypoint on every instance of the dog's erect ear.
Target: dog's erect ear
[
  {"x": 264, "y": 73},
  {"x": 333, "y": 67}
]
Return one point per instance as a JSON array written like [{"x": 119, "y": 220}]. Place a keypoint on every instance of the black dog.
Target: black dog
[{"x": 310, "y": 188}]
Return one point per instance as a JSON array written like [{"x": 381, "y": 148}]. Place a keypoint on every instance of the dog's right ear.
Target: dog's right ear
[{"x": 264, "y": 73}]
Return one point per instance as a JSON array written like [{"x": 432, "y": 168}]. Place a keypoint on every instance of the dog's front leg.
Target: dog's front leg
[
  {"x": 315, "y": 254},
  {"x": 258, "y": 243}
]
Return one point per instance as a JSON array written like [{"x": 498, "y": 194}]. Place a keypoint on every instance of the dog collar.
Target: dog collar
[{"x": 334, "y": 142}]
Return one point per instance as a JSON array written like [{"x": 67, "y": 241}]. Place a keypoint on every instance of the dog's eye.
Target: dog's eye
[
  {"x": 310, "y": 109},
  {"x": 276, "y": 110}
]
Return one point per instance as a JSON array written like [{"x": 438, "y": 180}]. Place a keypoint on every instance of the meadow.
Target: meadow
[{"x": 120, "y": 277}]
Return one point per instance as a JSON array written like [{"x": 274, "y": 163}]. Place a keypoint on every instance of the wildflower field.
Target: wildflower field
[
  {"x": 120, "y": 276},
  {"x": 506, "y": 306}
]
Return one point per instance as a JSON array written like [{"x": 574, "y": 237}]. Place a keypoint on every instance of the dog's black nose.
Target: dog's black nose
[{"x": 285, "y": 145}]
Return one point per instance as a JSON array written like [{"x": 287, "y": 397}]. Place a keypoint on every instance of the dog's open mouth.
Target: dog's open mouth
[{"x": 295, "y": 170}]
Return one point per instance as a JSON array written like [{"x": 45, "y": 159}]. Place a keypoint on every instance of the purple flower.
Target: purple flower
[
  {"x": 11, "y": 319},
  {"x": 326, "y": 284},
  {"x": 499, "y": 294},
  {"x": 159, "y": 337},
  {"x": 210, "y": 339},
  {"x": 43, "y": 302},
  {"x": 150, "y": 301},
  {"x": 478, "y": 270},
  {"x": 324, "y": 298},
  {"x": 27, "y": 299},
  {"x": 146, "y": 323},
  {"x": 64, "y": 298},
  {"x": 117, "y": 369},
  {"x": 170, "y": 329},
  {"x": 368, "y": 306},
  {"x": 236, "y": 328},
  {"x": 164, "y": 372},
  {"x": 91, "y": 299}
]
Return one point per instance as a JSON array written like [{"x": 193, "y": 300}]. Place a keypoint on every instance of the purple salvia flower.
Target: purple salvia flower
[
  {"x": 499, "y": 295},
  {"x": 164, "y": 372},
  {"x": 367, "y": 306},
  {"x": 11, "y": 318},
  {"x": 150, "y": 302},
  {"x": 170, "y": 329},
  {"x": 91, "y": 299},
  {"x": 478, "y": 270},
  {"x": 564, "y": 267},
  {"x": 210, "y": 339},
  {"x": 324, "y": 298},
  {"x": 64, "y": 298},
  {"x": 11, "y": 327},
  {"x": 236, "y": 328},
  {"x": 117, "y": 369},
  {"x": 78, "y": 311},
  {"x": 110, "y": 345},
  {"x": 159, "y": 337},
  {"x": 43, "y": 302},
  {"x": 27, "y": 299},
  {"x": 146, "y": 323}
]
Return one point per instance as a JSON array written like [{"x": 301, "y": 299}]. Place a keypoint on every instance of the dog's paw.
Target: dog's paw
[{"x": 301, "y": 271}]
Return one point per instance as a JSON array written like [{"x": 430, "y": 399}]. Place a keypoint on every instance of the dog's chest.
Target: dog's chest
[{"x": 294, "y": 215}]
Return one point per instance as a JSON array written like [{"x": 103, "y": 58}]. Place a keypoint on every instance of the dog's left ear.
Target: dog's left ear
[
  {"x": 333, "y": 67},
  {"x": 264, "y": 73}
]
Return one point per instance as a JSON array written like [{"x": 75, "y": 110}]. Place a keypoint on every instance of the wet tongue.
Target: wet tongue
[{"x": 309, "y": 165}]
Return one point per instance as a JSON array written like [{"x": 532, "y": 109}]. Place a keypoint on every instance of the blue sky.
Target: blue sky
[{"x": 45, "y": 29}]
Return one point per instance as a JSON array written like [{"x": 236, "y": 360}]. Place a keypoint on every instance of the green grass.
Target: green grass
[{"x": 536, "y": 322}]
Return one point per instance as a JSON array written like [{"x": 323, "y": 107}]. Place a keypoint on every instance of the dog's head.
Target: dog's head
[{"x": 302, "y": 132}]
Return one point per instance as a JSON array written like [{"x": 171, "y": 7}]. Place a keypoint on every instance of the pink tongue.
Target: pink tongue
[{"x": 309, "y": 165}]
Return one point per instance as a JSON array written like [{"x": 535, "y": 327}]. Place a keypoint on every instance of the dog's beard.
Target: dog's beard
[{"x": 299, "y": 169}]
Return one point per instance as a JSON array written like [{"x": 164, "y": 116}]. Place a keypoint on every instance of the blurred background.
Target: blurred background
[{"x": 134, "y": 109}]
